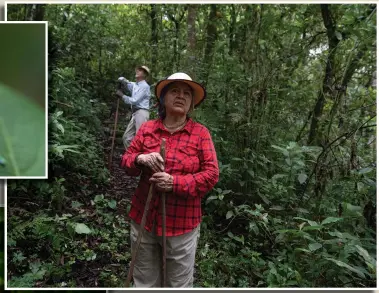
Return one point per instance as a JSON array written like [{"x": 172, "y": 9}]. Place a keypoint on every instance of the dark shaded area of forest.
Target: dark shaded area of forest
[{"x": 291, "y": 107}]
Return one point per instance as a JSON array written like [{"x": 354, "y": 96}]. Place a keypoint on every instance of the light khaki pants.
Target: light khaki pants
[
  {"x": 180, "y": 259},
  {"x": 138, "y": 118}
]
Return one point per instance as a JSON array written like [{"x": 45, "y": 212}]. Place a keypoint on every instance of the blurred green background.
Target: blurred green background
[
  {"x": 22, "y": 59},
  {"x": 22, "y": 100}
]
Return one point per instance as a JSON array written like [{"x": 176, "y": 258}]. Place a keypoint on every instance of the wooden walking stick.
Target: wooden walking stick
[
  {"x": 163, "y": 198},
  {"x": 142, "y": 225},
  {"x": 114, "y": 135}
]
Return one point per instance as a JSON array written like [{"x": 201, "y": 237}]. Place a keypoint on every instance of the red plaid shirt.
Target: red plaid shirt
[{"x": 190, "y": 159}]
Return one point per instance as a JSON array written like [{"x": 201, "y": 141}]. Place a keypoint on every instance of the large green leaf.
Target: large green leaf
[
  {"x": 314, "y": 246},
  {"x": 229, "y": 214},
  {"x": 112, "y": 204},
  {"x": 330, "y": 220},
  {"x": 82, "y": 229},
  {"x": 364, "y": 253},
  {"x": 310, "y": 228},
  {"x": 345, "y": 265},
  {"x": 22, "y": 135},
  {"x": 302, "y": 178},
  {"x": 365, "y": 170}
]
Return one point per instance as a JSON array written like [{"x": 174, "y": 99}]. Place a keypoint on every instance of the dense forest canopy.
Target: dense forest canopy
[{"x": 291, "y": 107}]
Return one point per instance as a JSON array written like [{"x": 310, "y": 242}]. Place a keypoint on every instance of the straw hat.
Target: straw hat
[
  {"x": 199, "y": 92},
  {"x": 145, "y": 68}
]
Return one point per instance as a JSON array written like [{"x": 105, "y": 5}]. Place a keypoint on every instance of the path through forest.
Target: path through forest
[
  {"x": 110, "y": 269},
  {"x": 123, "y": 186}
]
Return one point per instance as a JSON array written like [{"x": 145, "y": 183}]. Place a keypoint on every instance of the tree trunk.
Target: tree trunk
[
  {"x": 66, "y": 12},
  {"x": 32, "y": 12},
  {"x": 232, "y": 28},
  {"x": 176, "y": 46},
  {"x": 315, "y": 134},
  {"x": 341, "y": 89},
  {"x": 100, "y": 63},
  {"x": 40, "y": 12},
  {"x": 36, "y": 12},
  {"x": 191, "y": 40},
  {"x": 154, "y": 37},
  {"x": 176, "y": 21},
  {"x": 210, "y": 42},
  {"x": 26, "y": 11}
]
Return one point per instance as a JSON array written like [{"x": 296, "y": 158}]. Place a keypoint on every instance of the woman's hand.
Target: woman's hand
[
  {"x": 163, "y": 181},
  {"x": 154, "y": 161}
]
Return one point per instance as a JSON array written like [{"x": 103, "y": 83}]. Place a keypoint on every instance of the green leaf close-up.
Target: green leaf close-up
[{"x": 22, "y": 135}]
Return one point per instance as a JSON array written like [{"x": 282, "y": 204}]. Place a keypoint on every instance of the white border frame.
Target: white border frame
[
  {"x": 187, "y": 2},
  {"x": 173, "y": 2},
  {"x": 46, "y": 97},
  {"x": 2, "y": 192}
]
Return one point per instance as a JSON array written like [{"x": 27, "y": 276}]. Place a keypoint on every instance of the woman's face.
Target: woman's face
[{"x": 178, "y": 98}]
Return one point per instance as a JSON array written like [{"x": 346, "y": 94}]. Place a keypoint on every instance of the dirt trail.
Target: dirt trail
[
  {"x": 122, "y": 185},
  {"x": 111, "y": 265}
]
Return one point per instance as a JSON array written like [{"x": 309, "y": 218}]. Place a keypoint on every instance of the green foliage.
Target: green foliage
[
  {"x": 67, "y": 241},
  {"x": 295, "y": 205},
  {"x": 28, "y": 279},
  {"x": 274, "y": 242},
  {"x": 75, "y": 129},
  {"x": 22, "y": 135},
  {"x": 315, "y": 249},
  {"x": 74, "y": 141}
]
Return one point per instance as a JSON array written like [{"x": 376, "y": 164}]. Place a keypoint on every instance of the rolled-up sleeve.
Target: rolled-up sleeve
[
  {"x": 200, "y": 183},
  {"x": 128, "y": 85},
  {"x": 135, "y": 149},
  {"x": 142, "y": 93}
]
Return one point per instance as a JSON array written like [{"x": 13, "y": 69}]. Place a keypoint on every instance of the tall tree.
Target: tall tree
[
  {"x": 176, "y": 14},
  {"x": 191, "y": 40},
  {"x": 36, "y": 12},
  {"x": 210, "y": 40},
  {"x": 154, "y": 37},
  {"x": 232, "y": 28},
  {"x": 316, "y": 136}
]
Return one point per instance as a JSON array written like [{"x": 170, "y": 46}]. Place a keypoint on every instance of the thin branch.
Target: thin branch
[
  {"x": 327, "y": 148},
  {"x": 67, "y": 105},
  {"x": 305, "y": 124},
  {"x": 358, "y": 108}
]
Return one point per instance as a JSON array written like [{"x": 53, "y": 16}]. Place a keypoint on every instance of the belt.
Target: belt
[{"x": 136, "y": 109}]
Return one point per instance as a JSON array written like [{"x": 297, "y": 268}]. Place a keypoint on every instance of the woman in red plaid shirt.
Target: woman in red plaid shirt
[{"x": 190, "y": 171}]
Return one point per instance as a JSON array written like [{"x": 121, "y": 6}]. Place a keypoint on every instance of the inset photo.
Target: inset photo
[
  {"x": 2, "y": 192},
  {"x": 2, "y": 10},
  {"x": 23, "y": 100}
]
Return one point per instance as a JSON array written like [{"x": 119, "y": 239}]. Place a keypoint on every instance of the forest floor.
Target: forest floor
[
  {"x": 98, "y": 259},
  {"x": 122, "y": 185},
  {"x": 120, "y": 188}
]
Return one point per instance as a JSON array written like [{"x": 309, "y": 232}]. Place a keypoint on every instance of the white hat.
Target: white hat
[
  {"x": 145, "y": 68},
  {"x": 199, "y": 92}
]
